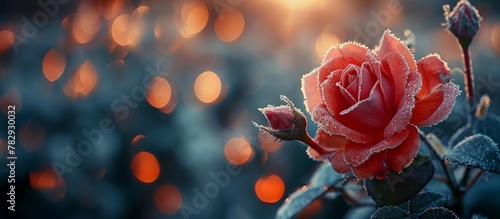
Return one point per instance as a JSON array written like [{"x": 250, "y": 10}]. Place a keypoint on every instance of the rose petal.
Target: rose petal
[
  {"x": 352, "y": 50},
  {"x": 310, "y": 90},
  {"x": 390, "y": 44},
  {"x": 330, "y": 142},
  {"x": 356, "y": 153},
  {"x": 328, "y": 123},
  {"x": 366, "y": 81},
  {"x": 348, "y": 97},
  {"x": 404, "y": 114},
  {"x": 402, "y": 156},
  {"x": 313, "y": 154},
  {"x": 332, "y": 94},
  {"x": 335, "y": 143},
  {"x": 370, "y": 111},
  {"x": 375, "y": 166},
  {"x": 339, "y": 63},
  {"x": 436, "y": 106},
  {"x": 395, "y": 66},
  {"x": 338, "y": 163},
  {"x": 430, "y": 68}
]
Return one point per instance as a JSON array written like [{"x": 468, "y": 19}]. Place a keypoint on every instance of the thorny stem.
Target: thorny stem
[{"x": 451, "y": 181}]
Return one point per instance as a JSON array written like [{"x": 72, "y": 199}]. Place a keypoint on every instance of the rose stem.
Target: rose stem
[
  {"x": 309, "y": 141},
  {"x": 451, "y": 178},
  {"x": 474, "y": 179},
  {"x": 469, "y": 78},
  {"x": 469, "y": 88}
]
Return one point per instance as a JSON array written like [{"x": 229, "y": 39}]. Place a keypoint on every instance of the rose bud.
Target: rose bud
[
  {"x": 288, "y": 123},
  {"x": 463, "y": 21}
]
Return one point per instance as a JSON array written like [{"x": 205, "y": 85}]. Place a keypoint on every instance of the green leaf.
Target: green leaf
[
  {"x": 398, "y": 188},
  {"x": 441, "y": 213},
  {"x": 427, "y": 200},
  {"x": 325, "y": 176},
  {"x": 298, "y": 201},
  {"x": 477, "y": 151},
  {"x": 389, "y": 212}
]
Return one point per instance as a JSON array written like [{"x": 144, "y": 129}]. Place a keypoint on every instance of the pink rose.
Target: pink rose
[{"x": 367, "y": 104}]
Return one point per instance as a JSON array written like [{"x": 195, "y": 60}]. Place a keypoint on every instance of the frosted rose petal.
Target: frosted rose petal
[
  {"x": 436, "y": 106},
  {"x": 337, "y": 64},
  {"x": 356, "y": 153},
  {"x": 332, "y": 126},
  {"x": 370, "y": 111},
  {"x": 390, "y": 44},
  {"x": 333, "y": 97},
  {"x": 338, "y": 163},
  {"x": 402, "y": 156},
  {"x": 397, "y": 68},
  {"x": 353, "y": 50},
  {"x": 375, "y": 166},
  {"x": 310, "y": 90},
  {"x": 404, "y": 114},
  {"x": 430, "y": 68}
]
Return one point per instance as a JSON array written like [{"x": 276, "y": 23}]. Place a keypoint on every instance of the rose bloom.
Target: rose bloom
[{"x": 367, "y": 104}]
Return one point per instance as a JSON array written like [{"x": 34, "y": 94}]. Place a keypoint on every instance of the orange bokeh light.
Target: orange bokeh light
[
  {"x": 47, "y": 181},
  {"x": 120, "y": 29},
  {"x": 137, "y": 139},
  {"x": 85, "y": 78},
  {"x": 229, "y": 25},
  {"x": 269, "y": 142},
  {"x": 159, "y": 92},
  {"x": 238, "y": 151},
  {"x": 194, "y": 18},
  {"x": 86, "y": 23},
  {"x": 207, "y": 87},
  {"x": 270, "y": 189},
  {"x": 6, "y": 40},
  {"x": 168, "y": 199},
  {"x": 145, "y": 167},
  {"x": 324, "y": 42},
  {"x": 53, "y": 65},
  {"x": 172, "y": 103},
  {"x": 495, "y": 38},
  {"x": 32, "y": 136}
]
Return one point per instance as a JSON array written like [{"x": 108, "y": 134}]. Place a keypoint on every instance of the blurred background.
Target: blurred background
[{"x": 144, "y": 108}]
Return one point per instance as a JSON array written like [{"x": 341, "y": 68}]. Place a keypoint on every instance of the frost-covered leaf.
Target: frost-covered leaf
[
  {"x": 398, "y": 188},
  {"x": 389, "y": 212},
  {"x": 325, "y": 176},
  {"x": 427, "y": 200},
  {"x": 441, "y": 213},
  {"x": 477, "y": 151},
  {"x": 298, "y": 201},
  {"x": 322, "y": 178}
]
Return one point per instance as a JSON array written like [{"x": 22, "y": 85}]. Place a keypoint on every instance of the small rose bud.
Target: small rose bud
[
  {"x": 463, "y": 21},
  {"x": 286, "y": 122},
  {"x": 482, "y": 107}
]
